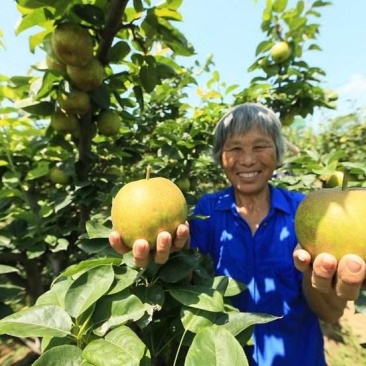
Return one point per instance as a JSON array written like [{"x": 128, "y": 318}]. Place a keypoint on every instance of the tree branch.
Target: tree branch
[{"x": 111, "y": 28}]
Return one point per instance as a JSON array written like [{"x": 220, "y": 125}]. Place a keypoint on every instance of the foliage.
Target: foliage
[
  {"x": 336, "y": 146},
  {"x": 106, "y": 306},
  {"x": 292, "y": 86},
  {"x": 42, "y": 220}
]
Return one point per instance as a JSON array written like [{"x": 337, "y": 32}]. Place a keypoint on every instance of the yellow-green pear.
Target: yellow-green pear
[
  {"x": 87, "y": 78},
  {"x": 54, "y": 64},
  {"x": 64, "y": 123},
  {"x": 108, "y": 123},
  {"x": 72, "y": 44},
  {"x": 183, "y": 183},
  {"x": 74, "y": 102},
  {"x": 57, "y": 175},
  {"x": 143, "y": 208},
  {"x": 280, "y": 52},
  {"x": 332, "y": 220},
  {"x": 334, "y": 180}
]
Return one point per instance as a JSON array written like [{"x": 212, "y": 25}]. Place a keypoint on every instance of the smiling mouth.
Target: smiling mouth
[{"x": 248, "y": 175}]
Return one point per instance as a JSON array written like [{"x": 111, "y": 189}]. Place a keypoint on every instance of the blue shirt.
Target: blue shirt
[{"x": 264, "y": 262}]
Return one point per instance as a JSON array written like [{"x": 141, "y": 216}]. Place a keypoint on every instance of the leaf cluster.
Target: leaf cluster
[
  {"x": 291, "y": 87},
  {"x": 165, "y": 313}
]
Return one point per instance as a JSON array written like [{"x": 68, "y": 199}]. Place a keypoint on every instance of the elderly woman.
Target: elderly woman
[{"x": 250, "y": 236}]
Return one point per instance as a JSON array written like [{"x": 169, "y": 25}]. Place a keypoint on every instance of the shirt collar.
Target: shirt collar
[{"x": 278, "y": 199}]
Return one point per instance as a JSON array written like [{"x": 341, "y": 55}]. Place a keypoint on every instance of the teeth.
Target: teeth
[{"x": 248, "y": 175}]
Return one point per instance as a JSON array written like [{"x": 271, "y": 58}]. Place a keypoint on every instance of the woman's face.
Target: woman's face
[{"x": 249, "y": 161}]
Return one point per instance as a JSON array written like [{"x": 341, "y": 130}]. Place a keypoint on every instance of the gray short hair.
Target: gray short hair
[{"x": 242, "y": 118}]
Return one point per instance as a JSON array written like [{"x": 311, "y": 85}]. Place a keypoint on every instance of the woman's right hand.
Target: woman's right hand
[{"x": 165, "y": 244}]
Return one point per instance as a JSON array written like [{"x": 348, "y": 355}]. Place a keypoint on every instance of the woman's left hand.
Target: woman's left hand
[{"x": 327, "y": 275}]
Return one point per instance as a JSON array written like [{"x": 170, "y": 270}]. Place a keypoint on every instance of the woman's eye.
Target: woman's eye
[{"x": 232, "y": 148}]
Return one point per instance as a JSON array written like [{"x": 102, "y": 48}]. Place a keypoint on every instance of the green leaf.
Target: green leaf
[
  {"x": 88, "y": 288},
  {"x": 65, "y": 355},
  {"x": 137, "y": 4},
  {"x": 97, "y": 230},
  {"x": 165, "y": 71},
  {"x": 321, "y": 3},
  {"x": 139, "y": 95},
  {"x": 234, "y": 287},
  {"x": 215, "y": 346},
  {"x": 101, "y": 96},
  {"x": 11, "y": 179},
  {"x": 33, "y": 4},
  {"x": 50, "y": 78},
  {"x": 263, "y": 46},
  {"x": 87, "y": 265},
  {"x": 152, "y": 297},
  {"x": 117, "y": 309},
  {"x": 7, "y": 269},
  {"x": 90, "y": 13},
  {"x": 37, "y": 321},
  {"x": 40, "y": 109},
  {"x": 196, "y": 319},
  {"x": 171, "y": 36},
  {"x": 120, "y": 347},
  {"x": 237, "y": 321},
  {"x": 148, "y": 77},
  {"x": 170, "y": 14},
  {"x": 41, "y": 169},
  {"x": 174, "y": 4},
  {"x": 179, "y": 266},
  {"x": 199, "y": 297},
  {"x": 56, "y": 294},
  {"x": 314, "y": 47},
  {"x": 95, "y": 246},
  {"x": 10, "y": 292},
  {"x": 118, "y": 52},
  {"x": 124, "y": 278},
  {"x": 279, "y": 6},
  {"x": 35, "y": 18}
]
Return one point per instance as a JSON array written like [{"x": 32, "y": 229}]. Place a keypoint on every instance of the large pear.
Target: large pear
[
  {"x": 333, "y": 221},
  {"x": 72, "y": 44},
  {"x": 87, "y": 78},
  {"x": 143, "y": 208}
]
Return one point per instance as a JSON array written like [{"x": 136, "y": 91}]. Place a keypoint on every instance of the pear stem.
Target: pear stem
[
  {"x": 345, "y": 179},
  {"x": 148, "y": 172}
]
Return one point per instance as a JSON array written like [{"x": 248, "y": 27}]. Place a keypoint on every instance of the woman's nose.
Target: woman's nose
[{"x": 247, "y": 157}]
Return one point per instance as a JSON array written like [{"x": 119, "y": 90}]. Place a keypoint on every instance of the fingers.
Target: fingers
[
  {"x": 181, "y": 238},
  {"x": 141, "y": 252},
  {"x": 302, "y": 259},
  {"x": 350, "y": 276},
  {"x": 346, "y": 277},
  {"x": 324, "y": 269},
  {"x": 116, "y": 243},
  {"x": 163, "y": 247}
]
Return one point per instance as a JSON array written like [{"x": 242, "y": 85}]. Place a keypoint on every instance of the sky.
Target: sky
[{"x": 230, "y": 31}]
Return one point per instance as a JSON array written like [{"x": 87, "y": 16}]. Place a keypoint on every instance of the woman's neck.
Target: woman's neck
[{"x": 253, "y": 208}]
